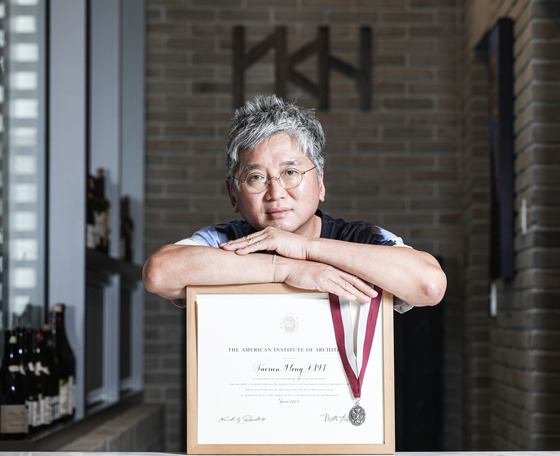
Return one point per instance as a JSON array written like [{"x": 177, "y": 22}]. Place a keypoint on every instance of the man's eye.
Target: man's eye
[
  {"x": 290, "y": 172},
  {"x": 255, "y": 178}
]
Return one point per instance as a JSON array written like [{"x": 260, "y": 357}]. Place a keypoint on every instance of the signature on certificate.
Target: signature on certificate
[
  {"x": 328, "y": 418},
  {"x": 282, "y": 401},
  {"x": 241, "y": 419}
]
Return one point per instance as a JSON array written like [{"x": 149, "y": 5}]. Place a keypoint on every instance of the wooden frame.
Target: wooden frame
[{"x": 200, "y": 300}]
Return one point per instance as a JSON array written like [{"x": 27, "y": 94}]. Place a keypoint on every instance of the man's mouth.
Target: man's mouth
[{"x": 277, "y": 213}]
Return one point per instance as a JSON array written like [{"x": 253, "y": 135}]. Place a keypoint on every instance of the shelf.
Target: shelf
[{"x": 100, "y": 262}]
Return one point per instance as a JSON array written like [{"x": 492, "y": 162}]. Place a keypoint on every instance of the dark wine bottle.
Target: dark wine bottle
[
  {"x": 13, "y": 392},
  {"x": 40, "y": 375},
  {"x": 24, "y": 341},
  {"x": 103, "y": 207},
  {"x": 52, "y": 411},
  {"x": 91, "y": 231},
  {"x": 67, "y": 381},
  {"x": 127, "y": 231}
]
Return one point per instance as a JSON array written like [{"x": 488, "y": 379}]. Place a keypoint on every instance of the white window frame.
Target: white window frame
[{"x": 112, "y": 140}]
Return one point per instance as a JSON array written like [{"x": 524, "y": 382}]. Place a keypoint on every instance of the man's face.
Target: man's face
[{"x": 291, "y": 210}]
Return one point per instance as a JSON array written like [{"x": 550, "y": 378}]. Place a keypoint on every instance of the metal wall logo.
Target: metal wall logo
[{"x": 285, "y": 65}]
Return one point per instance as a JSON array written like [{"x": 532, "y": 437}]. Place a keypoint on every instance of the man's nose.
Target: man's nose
[{"x": 274, "y": 188}]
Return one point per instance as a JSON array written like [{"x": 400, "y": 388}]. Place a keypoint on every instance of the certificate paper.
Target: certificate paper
[{"x": 269, "y": 373}]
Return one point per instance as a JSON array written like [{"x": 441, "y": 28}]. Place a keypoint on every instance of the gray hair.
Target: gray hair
[{"x": 265, "y": 116}]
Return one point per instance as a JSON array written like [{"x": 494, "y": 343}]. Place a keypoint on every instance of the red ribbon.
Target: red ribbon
[{"x": 355, "y": 382}]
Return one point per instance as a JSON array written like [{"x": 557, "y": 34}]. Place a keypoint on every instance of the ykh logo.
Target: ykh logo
[{"x": 285, "y": 65}]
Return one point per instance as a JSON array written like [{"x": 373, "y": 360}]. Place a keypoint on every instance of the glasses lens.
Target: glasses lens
[
  {"x": 255, "y": 182},
  {"x": 290, "y": 178}
]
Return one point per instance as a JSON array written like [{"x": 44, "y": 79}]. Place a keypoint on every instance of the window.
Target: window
[
  {"x": 22, "y": 155},
  {"x": 61, "y": 118}
]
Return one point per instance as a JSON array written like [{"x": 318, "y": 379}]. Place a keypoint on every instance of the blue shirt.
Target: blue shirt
[{"x": 359, "y": 232}]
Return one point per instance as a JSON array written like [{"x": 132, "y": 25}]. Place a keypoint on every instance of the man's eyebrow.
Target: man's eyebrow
[{"x": 252, "y": 167}]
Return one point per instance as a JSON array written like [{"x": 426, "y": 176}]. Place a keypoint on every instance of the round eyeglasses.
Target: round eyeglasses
[{"x": 289, "y": 178}]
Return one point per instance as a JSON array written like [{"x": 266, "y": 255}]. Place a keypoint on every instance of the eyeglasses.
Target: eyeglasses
[{"x": 289, "y": 178}]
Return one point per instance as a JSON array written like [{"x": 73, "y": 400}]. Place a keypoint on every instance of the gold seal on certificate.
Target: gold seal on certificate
[
  {"x": 357, "y": 415},
  {"x": 289, "y": 324}
]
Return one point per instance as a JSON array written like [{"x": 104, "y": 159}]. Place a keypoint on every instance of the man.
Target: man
[{"x": 275, "y": 182}]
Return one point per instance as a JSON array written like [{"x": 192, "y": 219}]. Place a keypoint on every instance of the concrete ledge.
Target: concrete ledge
[{"x": 139, "y": 428}]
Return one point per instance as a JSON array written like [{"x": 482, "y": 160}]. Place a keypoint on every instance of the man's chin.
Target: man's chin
[
  {"x": 280, "y": 225},
  {"x": 285, "y": 224}
]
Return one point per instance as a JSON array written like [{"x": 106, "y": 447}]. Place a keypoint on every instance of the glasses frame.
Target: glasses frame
[{"x": 278, "y": 178}]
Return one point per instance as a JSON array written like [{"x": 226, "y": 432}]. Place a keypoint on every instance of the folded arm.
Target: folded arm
[
  {"x": 173, "y": 267},
  {"x": 412, "y": 275}
]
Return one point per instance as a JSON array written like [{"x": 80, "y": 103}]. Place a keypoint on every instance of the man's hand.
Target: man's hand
[
  {"x": 284, "y": 243},
  {"x": 311, "y": 275},
  {"x": 346, "y": 268}
]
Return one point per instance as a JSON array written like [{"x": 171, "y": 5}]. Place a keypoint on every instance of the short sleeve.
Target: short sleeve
[{"x": 210, "y": 237}]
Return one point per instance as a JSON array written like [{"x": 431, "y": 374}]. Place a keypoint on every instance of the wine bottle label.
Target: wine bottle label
[
  {"x": 90, "y": 236},
  {"x": 48, "y": 418},
  {"x": 55, "y": 410},
  {"x": 98, "y": 227},
  {"x": 41, "y": 418},
  {"x": 13, "y": 419},
  {"x": 32, "y": 413},
  {"x": 14, "y": 369},
  {"x": 71, "y": 394},
  {"x": 63, "y": 398}
]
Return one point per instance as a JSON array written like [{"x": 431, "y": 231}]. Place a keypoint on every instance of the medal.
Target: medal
[
  {"x": 355, "y": 366},
  {"x": 357, "y": 415}
]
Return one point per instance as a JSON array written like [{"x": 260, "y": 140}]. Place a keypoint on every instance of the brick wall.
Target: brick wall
[
  {"x": 397, "y": 165},
  {"x": 475, "y": 350},
  {"x": 473, "y": 393},
  {"x": 511, "y": 375},
  {"x": 526, "y": 336}
]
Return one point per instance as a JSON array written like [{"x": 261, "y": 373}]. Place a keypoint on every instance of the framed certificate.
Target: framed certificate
[{"x": 265, "y": 376}]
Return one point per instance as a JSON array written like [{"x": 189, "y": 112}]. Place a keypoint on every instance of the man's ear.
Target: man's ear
[
  {"x": 322, "y": 190},
  {"x": 232, "y": 196}
]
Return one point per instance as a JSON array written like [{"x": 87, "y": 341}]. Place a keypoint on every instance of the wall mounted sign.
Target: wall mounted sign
[
  {"x": 500, "y": 63},
  {"x": 285, "y": 65},
  {"x": 265, "y": 376}
]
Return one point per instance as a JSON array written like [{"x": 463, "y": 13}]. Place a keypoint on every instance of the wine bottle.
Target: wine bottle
[
  {"x": 104, "y": 209},
  {"x": 62, "y": 370},
  {"x": 127, "y": 231},
  {"x": 13, "y": 392},
  {"x": 42, "y": 367},
  {"x": 24, "y": 340},
  {"x": 52, "y": 411},
  {"x": 40, "y": 372},
  {"x": 67, "y": 361},
  {"x": 91, "y": 232}
]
